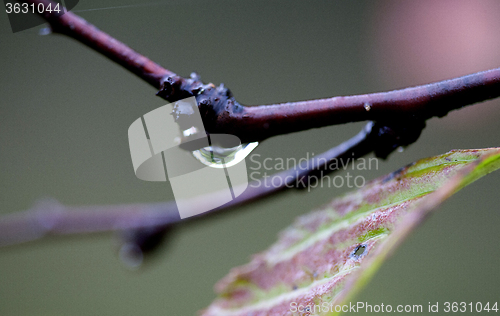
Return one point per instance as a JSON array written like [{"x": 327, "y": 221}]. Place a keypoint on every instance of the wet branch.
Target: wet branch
[
  {"x": 398, "y": 118},
  {"x": 221, "y": 113},
  {"x": 49, "y": 218}
]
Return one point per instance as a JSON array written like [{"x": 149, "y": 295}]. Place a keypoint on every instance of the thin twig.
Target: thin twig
[
  {"x": 51, "y": 218},
  {"x": 77, "y": 28}
]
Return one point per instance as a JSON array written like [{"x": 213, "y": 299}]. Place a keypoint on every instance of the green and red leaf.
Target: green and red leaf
[{"x": 328, "y": 255}]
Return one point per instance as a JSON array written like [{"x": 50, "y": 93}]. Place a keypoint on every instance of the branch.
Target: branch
[
  {"x": 77, "y": 28},
  {"x": 422, "y": 102},
  {"x": 221, "y": 113},
  {"x": 400, "y": 117},
  {"x": 51, "y": 218}
]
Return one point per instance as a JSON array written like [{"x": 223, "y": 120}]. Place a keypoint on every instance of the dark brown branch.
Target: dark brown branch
[
  {"x": 422, "y": 102},
  {"x": 302, "y": 175},
  {"x": 400, "y": 117},
  {"x": 221, "y": 113}
]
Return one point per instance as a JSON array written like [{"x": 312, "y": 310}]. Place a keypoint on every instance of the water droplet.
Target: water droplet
[
  {"x": 45, "y": 31},
  {"x": 218, "y": 157},
  {"x": 400, "y": 149},
  {"x": 131, "y": 256},
  {"x": 368, "y": 107}
]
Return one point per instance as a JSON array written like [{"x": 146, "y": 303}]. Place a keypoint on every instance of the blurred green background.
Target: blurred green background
[{"x": 65, "y": 111}]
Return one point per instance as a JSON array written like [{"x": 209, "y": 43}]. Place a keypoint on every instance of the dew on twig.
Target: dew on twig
[
  {"x": 131, "y": 256},
  {"x": 220, "y": 157}
]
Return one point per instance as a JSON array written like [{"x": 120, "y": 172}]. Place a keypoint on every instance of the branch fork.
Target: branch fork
[{"x": 396, "y": 118}]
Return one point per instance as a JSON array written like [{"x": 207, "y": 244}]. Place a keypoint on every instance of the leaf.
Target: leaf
[{"x": 327, "y": 256}]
